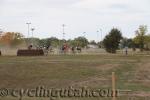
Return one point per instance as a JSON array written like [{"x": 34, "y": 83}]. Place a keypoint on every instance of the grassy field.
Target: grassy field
[{"x": 92, "y": 71}]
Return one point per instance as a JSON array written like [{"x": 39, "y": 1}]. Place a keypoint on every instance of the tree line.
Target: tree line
[
  {"x": 15, "y": 39},
  {"x": 112, "y": 42}
]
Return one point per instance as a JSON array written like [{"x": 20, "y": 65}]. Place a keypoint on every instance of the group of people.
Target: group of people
[
  {"x": 74, "y": 49},
  {"x": 65, "y": 48}
]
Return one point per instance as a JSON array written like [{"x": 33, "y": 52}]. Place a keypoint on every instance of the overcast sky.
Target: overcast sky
[{"x": 47, "y": 16}]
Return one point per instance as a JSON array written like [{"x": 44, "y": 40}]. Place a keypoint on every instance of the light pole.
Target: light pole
[
  {"x": 63, "y": 26},
  {"x": 32, "y": 29},
  {"x": 1, "y": 32},
  {"x": 101, "y": 34},
  {"x": 85, "y": 38},
  {"x": 100, "y": 30},
  {"x": 97, "y": 36},
  {"x": 28, "y": 29}
]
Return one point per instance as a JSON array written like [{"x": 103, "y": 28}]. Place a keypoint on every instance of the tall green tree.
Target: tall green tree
[
  {"x": 112, "y": 40},
  {"x": 140, "y": 36}
]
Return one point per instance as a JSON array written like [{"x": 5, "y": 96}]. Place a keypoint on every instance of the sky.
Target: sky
[{"x": 79, "y": 16}]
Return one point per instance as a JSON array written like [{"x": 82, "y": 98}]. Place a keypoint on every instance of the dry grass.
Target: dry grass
[{"x": 93, "y": 71}]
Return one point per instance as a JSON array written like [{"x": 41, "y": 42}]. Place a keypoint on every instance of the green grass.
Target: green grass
[{"x": 60, "y": 71}]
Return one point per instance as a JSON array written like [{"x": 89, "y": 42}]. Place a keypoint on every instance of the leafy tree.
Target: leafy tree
[
  {"x": 12, "y": 39},
  {"x": 93, "y": 42},
  {"x": 112, "y": 40},
  {"x": 140, "y": 34},
  {"x": 130, "y": 43},
  {"x": 125, "y": 42},
  {"x": 147, "y": 42},
  {"x": 34, "y": 41},
  {"x": 52, "y": 41},
  {"x": 81, "y": 41},
  {"x": 100, "y": 44},
  {"x": 42, "y": 42},
  {"x": 72, "y": 42}
]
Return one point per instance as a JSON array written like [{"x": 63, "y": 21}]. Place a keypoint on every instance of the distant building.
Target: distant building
[{"x": 92, "y": 46}]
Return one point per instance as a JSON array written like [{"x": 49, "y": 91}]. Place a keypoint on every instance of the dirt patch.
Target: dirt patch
[
  {"x": 143, "y": 72},
  {"x": 93, "y": 81},
  {"x": 140, "y": 94},
  {"x": 107, "y": 67}
]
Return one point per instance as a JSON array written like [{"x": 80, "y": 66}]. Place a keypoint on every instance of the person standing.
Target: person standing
[{"x": 126, "y": 50}]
